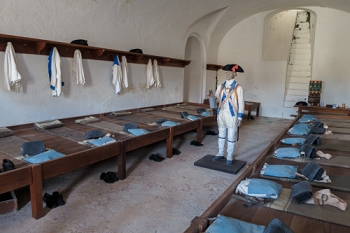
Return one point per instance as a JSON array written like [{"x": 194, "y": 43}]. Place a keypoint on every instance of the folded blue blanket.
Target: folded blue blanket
[
  {"x": 265, "y": 188},
  {"x": 288, "y": 152},
  {"x": 43, "y": 157},
  {"x": 292, "y": 141},
  {"x": 102, "y": 141},
  {"x": 224, "y": 224},
  {"x": 300, "y": 129},
  {"x": 284, "y": 171},
  {"x": 205, "y": 114},
  {"x": 192, "y": 118},
  {"x": 138, "y": 132},
  {"x": 170, "y": 123},
  {"x": 307, "y": 118}
]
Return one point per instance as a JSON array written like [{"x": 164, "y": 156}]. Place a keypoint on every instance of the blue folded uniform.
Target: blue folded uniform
[
  {"x": 192, "y": 118},
  {"x": 205, "y": 114},
  {"x": 307, "y": 118},
  {"x": 300, "y": 129},
  {"x": 43, "y": 157},
  {"x": 264, "y": 188}
]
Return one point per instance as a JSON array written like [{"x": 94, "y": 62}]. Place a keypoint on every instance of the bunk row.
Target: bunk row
[
  {"x": 299, "y": 182},
  {"x": 63, "y": 143}
]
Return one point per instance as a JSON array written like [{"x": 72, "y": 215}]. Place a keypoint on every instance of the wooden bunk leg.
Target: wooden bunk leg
[
  {"x": 122, "y": 161},
  {"x": 199, "y": 131},
  {"x": 36, "y": 190},
  {"x": 169, "y": 144}
]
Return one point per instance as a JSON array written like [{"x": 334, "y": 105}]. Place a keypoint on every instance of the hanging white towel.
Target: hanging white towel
[
  {"x": 150, "y": 78},
  {"x": 117, "y": 75},
  {"x": 125, "y": 81},
  {"x": 77, "y": 67},
  {"x": 12, "y": 76},
  {"x": 55, "y": 75},
  {"x": 156, "y": 73}
]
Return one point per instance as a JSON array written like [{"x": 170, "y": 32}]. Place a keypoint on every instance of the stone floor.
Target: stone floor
[{"x": 156, "y": 196}]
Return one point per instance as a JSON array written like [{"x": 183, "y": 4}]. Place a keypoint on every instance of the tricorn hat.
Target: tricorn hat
[{"x": 233, "y": 68}]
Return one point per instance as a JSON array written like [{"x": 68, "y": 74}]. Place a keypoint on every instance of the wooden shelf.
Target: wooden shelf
[
  {"x": 214, "y": 67},
  {"x": 43, "y": 47}
]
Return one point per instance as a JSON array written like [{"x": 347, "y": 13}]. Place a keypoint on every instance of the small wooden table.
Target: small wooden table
[{"x": 251, "y": 106}]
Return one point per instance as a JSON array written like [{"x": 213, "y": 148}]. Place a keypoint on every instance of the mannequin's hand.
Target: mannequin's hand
[{"x": 239, "y": 123}]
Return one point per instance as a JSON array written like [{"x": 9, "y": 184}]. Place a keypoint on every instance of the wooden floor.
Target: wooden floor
[
  {"x": 77, "y": 155},
  {"x": 261, "y": 215}
]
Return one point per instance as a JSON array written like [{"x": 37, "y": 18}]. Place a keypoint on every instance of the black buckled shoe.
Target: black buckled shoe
[{"x": 8, "y": 165}]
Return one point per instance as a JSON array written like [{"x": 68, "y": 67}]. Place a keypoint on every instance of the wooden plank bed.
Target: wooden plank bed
[{"x": 230, "y": 206}]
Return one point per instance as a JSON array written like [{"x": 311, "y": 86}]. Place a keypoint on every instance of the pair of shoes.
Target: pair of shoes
[
  {"x": 195, "y": 143},
  {"x": 176, "y": 152},
  {"x": 217, "y": 158},
  {"x": 7, "y": 165},
  {"x": 156, "y": 157},
  {"x": 54, "y": 200},
  {"x": 228, "y": 162},
  {"x": 211, "y": 133},
  {"x": 109, "y": 177}
]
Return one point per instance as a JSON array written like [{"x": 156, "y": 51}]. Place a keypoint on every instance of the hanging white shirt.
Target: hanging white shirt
[
  {"x": 117, "y": 75},
  {"x": 12, "y": 76},
  {"x": 125, "y": 81},
  {"x": 156, "y": 73},
  {"x": 77, "y": 67},
  {"x": 55, "y": 74},
  {"x": 150, "y": 78}
]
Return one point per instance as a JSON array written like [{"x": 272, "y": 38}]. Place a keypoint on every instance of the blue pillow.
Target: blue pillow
[
  {"x": 288, "y": 152},
  {"x": 170, "y": 123},
  {"x": 192, "y": 118},
  {"x": 138, "y": 132},
  {"x": 264, "y": 188},
  {"x": 224, "y": 224},
  {"x": 284, "y": 171},
  {"x": 300, "y": 129},
  {"x": 307, "y": 118},
  {"x": 43, "y": 157},
  {"x": 292, "y": 141},
  {"x": 102, "y": 141}
]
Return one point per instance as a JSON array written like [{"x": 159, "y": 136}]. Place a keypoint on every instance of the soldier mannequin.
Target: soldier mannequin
[{"x": 230, "y": 112}]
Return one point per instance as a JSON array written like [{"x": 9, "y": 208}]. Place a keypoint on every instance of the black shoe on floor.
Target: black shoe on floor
[
  {"x": 58, "y": 198},
  {"x": 176, "y": 152},
  {"x": 211, "y": 133},
  {"x": 195, "y": 143},
  {"x": 156, "y": 157},
  {"x": 49, "y": 201},
  {"x": 106, "y": 178},
  {"x": 112, "y": 176},
  {"x": 8, "y": 165}
]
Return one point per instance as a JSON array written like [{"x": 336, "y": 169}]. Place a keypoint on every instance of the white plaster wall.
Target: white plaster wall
[
  {"x": 263, "y": 81},
  {"x": 35, "y": 103}
]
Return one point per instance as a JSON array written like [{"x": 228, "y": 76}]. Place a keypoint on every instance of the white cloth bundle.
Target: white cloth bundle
[
  {"x": 77, "y": 67},
  {"x": 125, "y": 81},
  {"x": 117, "y": 75},
  {"x": 150, "y": 78},
  {"x": 156, "y": 73},
  {"x": 12, "y": 76},
  {"x": 55, "y": 74}
]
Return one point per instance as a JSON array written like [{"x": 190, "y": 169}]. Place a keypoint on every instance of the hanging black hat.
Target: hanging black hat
[{"x": 233, "y": 68}]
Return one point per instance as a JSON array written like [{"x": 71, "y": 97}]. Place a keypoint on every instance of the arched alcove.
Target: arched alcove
[{"x": 193, "y": 77}]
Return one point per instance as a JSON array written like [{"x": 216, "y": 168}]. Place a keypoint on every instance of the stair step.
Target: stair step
[
  {"x": 300, "y": 62},
  {"x": 300, "y": 51},
  {"x": 301, "y": 41},
  {"x": 302, "y": 56},
  {"x": 301, "y": 36},
  {"x": 299, "y": 73},
  {"x": 295, "y": 98},
  {"x": 301, "y": 46},
  {"x": 299, "y": 68},
  {"x": 297, "y": 92},
  {"x": 304, "y": 80}
]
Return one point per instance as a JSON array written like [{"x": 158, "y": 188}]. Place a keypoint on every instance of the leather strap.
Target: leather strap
[
  {"x": 325, "y": 197},
  {"x": 228, "y": 98}
]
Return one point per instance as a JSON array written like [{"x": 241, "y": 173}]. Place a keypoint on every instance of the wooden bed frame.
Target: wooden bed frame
[
  {"x": 228, "y": 206},
  {"x": 78, "y": 156}
]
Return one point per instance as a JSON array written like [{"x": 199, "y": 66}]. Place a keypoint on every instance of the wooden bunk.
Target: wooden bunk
[
  {"x": 78, "y": 156},
  {"x": 230, "y": 206}
]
